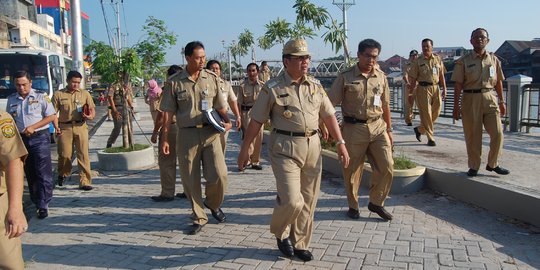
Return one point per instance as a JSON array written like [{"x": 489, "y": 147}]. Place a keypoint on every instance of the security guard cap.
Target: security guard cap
[{"x": 296, "y": 47}]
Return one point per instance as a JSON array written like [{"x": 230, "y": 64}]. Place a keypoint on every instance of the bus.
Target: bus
[{"x": 47, "y": 69}]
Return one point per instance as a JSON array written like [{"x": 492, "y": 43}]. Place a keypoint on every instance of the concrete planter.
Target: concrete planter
[
  {"x": 405, "y": 181},
  {"x": 126, "y": 160}
]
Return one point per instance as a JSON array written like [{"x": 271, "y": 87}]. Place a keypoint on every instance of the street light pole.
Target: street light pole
[{"x": 344, "y": 5}]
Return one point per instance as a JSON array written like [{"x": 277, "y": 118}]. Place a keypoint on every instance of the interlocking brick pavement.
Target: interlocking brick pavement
[{"x": 118, "y": 226}]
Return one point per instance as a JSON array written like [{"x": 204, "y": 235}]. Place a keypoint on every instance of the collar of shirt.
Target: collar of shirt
[
  {"x": 359, "y": 73},
  {"x": 481, "y": 56},
  {"x": 289, "y": 80},
  {"x": 32, "y": 94}
]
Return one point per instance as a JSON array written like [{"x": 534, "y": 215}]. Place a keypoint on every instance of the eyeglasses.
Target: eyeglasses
[
  {"x": 370, "y": 56},
  {"x": 301, "y": 58}
]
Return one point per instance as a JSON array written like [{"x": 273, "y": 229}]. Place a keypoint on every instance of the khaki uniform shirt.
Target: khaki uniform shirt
[
  {"x": 11, "y": 146},
  {"x": 70, "y": 105},
  {"x": 226, "y": 90},
  {"x": 264, "y": 75},
  {"x": 115, "y": 91},
  {"x": 361, "y": 96},
  {"x": 188, "y": 98},
  {"x": 157, "y": 103},
  {"x": 426, "y": 69},
  {"x": 307, "y": 102},
  {"x": 478, "y": 71},
  {"x": 249, "y": 92}
]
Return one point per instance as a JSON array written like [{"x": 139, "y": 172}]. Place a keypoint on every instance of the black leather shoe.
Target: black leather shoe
[
  {"x": 217, "y": 214},
  {"x": 285, "y": 246},
  {"x": 353, "y": 213},
  {"x": 380, "y": 211},
  {"x": 86, "y": 188},
  {"x": 162, "y": 198},
  {"x": 61, "y": 180},
  {"x": 417, "y": 134},
  {"x": 256, "y": 167},
  {"x": 303, "y": 255},
  {"x": 498, "y": 170},
  {"x": 109, "y": 145},
  {"x": 409, "y": 124},
  {"x": 195, "y": 229},
  {"x": 42, "y": 213},
  {"x": 431, "y": 143},
  {"x": 472, "y": 172},
  {"x": 181, "y": 195}
]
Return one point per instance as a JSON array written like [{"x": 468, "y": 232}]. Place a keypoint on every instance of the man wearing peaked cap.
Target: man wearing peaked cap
[{"x": 294, "y": 102}]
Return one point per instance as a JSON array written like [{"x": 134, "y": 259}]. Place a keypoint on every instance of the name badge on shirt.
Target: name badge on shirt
[
  {"x": 435, "y": 71},
  {"x": 377, "y": 100},
  {"x": 491, "y": 72},
  {"x": 78, "y": 106},
  {"x": 204, "y": 105}
]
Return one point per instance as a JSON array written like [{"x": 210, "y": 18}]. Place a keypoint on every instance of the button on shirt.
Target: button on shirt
[
  {"x": 249, "y": 91},
  {"x": 29, "y": 110},
  {"x": 307, "y": 102},
  {"x": 69, "y": 105},
  {"x": 361, "y": 96},
  {"x": 426, "y": 69}
]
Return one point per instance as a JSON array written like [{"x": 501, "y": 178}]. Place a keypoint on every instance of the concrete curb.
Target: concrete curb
[{"x": 126, "y": 161}]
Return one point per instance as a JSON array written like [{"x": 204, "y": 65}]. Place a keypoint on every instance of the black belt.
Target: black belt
[
  {"x": 425, "y": 83},
  {"x": 198, "y": 126},
  {"x": 36, "y": 133},
  {"x": 296, "y": 134},
  {"x": 72, "y": 122},
  {"x": 352, "y": 120},
  {"x": 246, "y": 108},
  {"x": 477, "y": 91}
]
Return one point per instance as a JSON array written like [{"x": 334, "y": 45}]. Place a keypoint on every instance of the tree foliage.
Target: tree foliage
[
  {"x": 152, "y": 49},
  {"x": 109, "y": 66}
]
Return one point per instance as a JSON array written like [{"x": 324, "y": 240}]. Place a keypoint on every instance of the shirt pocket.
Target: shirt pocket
[
  {"x": 314, "y": 104},
  {"x": 353, "y": 91}
]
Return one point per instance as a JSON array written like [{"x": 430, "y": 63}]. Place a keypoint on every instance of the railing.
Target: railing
[{"x": 530, "y": 113}]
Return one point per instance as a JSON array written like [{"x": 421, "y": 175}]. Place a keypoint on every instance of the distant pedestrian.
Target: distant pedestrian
[
  {"x": 264, "y": 73},
  {"x": 428, "y": 71},
  {"x": 247, "y": 96},
  {"x": 226, "y": 90},
  {"x": 364, "y": 96},
  {"x": 477, "y": 74},
  {"x": 74, "y": 106},
  {"x": 12, "y": 220},
  {"x": 118, "y": 95},
  {"x": 192, "y": 92},
  {"x": 410, "y": 89},
  {"x": 102, "y": 99},
  {"x": 152, "y": 96},
  {"x": 166, "y": 162},
  {"x": 295, "y": 103},
  {"x": 33, "y": 112}
]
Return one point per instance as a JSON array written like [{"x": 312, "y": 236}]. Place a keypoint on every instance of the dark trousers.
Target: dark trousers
[{"x": 38, "y": 169}]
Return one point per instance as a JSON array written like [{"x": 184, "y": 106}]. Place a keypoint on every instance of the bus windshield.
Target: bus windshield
[{"x": 36, "y": 65}]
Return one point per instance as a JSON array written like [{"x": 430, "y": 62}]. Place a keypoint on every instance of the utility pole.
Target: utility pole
[
  {"x": 344, "y": 5},
  {"x": 118, "y": 34},
  {"x": 76, "y": 31},
  {"x": 229, "y": 59}
]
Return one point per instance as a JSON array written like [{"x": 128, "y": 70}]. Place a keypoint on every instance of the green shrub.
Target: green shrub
[{"x": 120, "y": 149}]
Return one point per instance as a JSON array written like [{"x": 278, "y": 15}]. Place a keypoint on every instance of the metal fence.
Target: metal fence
[{"x": 530, "y": 113}]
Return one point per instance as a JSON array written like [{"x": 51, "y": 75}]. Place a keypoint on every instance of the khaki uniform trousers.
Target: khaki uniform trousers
[
  {"x": 198, "y": 146},
  {"x": 409, "y": 107},
  {"x": 428, "y": 100},
  {"x": 297, "y": 166},
  {"x": 256, "y": 145},
  {"x": 167, "y": 164},
  {"x": 481, "y": 109},
  {"x": 10, "y": 249},
  {"x": 74, "y": 135},
  {"x": 369, "y": 140},
  {"x": 116, "y": 130},
  {"x": 223, "y": 139}
]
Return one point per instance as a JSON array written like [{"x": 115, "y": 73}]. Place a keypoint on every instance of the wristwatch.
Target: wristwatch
[{"x": 342, "y": 141}]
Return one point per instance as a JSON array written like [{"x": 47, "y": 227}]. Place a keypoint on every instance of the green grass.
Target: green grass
[
  {"x": 121, "y": 149},
  {"x": 401, "y": 162}
]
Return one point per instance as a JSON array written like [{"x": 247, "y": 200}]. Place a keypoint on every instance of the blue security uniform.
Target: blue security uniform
[{"x": 38, "y": 165}]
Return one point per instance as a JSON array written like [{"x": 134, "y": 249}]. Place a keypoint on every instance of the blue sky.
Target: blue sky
[{"x": 399, "y": 25}]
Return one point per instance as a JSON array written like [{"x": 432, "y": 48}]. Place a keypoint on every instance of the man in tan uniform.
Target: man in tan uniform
[
  {"x": 226, "y": 90},
  {"x": 12, "y": 220},
  {"x": 410, "y": 89},
  {"x": 294, "y": 102},
  {"x": 166, "y": 163},
  {"x": 192, "y": 92},
  {"x": 247, "y": 95},
  {"x": 264, "y": 74},
  {"x": 477, "y": 74},
  {"x": 74, "y": 106},
  {"x": 362, "y": 91},
  {"x": 116, "y": 103},
  {"x": 428, "y": 72}
]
